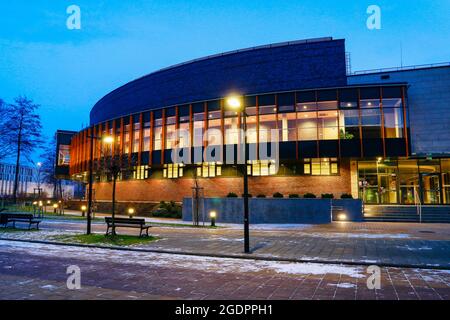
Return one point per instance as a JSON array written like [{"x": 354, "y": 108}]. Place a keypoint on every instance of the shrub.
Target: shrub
[
  {"x": 346, "y": 196},
  {"x": 232, "y": 195},
  {"x": 167, "y": 210},
  {"x": 309, "y": 196},
  {"x": 327, "y": 196},
  {"x": 278, "y": 195},
  {"x": 261, "y": 196},
  {"x": 294, "y": 196}
]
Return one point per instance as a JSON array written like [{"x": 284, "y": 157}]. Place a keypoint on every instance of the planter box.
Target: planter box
[{"x": 277, "y": 211}]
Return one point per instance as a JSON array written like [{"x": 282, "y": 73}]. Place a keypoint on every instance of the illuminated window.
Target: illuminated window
[
  {"x": 126, "y": 139},
  {"x": 231, "y": 127},
  {"x": 214, "y": 128},
  {"x": 157, "y": 139},
  {"x": 261, "y": 168},
  {"x": 146, "y": 141},
  {"x": 140, "y": 172},
  {"x": 136, "y": 136},
  {"x": 328, "y": 125},
  {"x": 307, "y": 126},
  {"x": 199, "y": 127},
  {"x": 209, "y": 170},
  {"x": 173, "y": 171},
  {"x": 321, "y": 167}
]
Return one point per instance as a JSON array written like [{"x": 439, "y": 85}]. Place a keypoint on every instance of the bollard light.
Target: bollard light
[
  {"x": 213, "y": 216},
  {"x": 131, "y": 212},
  {"x": 342, "y": 217},
  {"x": 55, "y": 207},
  {"x": 83, "y": 210}
]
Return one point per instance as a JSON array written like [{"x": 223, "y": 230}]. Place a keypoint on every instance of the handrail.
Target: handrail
[
  {"x": 415, "y": 67},
  {"x": 418, "y": 203}
]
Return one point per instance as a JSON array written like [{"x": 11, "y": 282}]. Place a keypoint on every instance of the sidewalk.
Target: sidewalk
[{"x": 402, "y": 245}]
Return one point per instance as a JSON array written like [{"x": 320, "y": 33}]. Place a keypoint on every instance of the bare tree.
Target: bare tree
[
  {"x": 5, "y": 143},
  {"x": 113, "y": 164},
  {"x": 48, "y": 162},
  {"x": 23, "y": 129}
]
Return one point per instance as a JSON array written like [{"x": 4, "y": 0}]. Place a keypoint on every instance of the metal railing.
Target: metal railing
[
  {"x": 406, "y": 68},
  {"x": 418, "y": 204}
]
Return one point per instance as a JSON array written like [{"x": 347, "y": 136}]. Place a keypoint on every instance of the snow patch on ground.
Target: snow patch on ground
[
  {"x": 344, "y": 285},
  {"x": 218, "y": 265}
]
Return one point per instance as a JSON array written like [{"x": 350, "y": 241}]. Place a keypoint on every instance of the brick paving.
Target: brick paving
[
  {"x": 34, "y": 271},
  {"x": 402, "y": 244}
]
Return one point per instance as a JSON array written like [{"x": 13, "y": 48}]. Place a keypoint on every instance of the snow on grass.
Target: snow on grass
[{"x": 218, "y": 265}]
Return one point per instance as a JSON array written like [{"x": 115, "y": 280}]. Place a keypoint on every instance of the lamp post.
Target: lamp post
[
  {"x": 213, "y": 216},
  {"x": 106, "y": 139},
  {"x": 236, "y": 104}
]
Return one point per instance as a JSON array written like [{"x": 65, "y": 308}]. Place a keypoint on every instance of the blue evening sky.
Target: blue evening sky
[{"x": 67, "y": 71}]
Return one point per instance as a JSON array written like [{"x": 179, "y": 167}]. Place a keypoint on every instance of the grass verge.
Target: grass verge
[
  {"x": 16, "y": 230},
  {"x": 98, "y": 239}
]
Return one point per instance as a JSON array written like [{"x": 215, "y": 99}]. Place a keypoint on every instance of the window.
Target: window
[
  {"x": 261, "y": 168},
  {"x": 321, "y": 167},
  {"x": 173, "y": 171},
  {"x": 199, "y": 126},
  {"x": 231, "y": 127},
  {"x": 393, "y": 122},
  {"x": 371, "y": 123},
  {"x": 157, "y": 138},
  {"x": 209, "y": 170},
  {"x": 307, "y": 126},
  {"x": 328, "y": 125},
  {"x": 252, "y": 136},
  {"x": 214, "y": 128},
  {"x": 136, "y": 136},
  {"x": 267, "y": 118},
  {"x": 140, "y": 172},
  {"x": 146, "y": 141},
  {"x": 349, "y": 124},
  {"x": 171, "y": 138},
  {"x": 286, "y": 127},
  {"x": 126, "y": 139},
  {"x": 63, "y": 155}
]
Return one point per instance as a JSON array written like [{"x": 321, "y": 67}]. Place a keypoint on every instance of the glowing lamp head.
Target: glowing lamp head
[
  {"x": 234, "y": 102},
  {"x": 342, "y": 217},
  {"x": 213, "y": 214},
  {"x": 55, "y": 206},
  {"x": 108, "y": 140},
  {"x": 83, "y": 208},
  {"x": 131, "y": 211}
]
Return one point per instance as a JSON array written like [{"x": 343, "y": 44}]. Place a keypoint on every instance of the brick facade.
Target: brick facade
[{"x": 176, "y": 189}]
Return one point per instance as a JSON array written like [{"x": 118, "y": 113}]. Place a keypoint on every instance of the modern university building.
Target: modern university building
[{"x": 382, "y": 136}]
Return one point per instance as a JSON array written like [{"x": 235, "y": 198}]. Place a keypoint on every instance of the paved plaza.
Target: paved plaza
[
  {"x": 185, "y": 263},
  {"x": 34, "y": 271},
  {"x": 389, "y": 244}
]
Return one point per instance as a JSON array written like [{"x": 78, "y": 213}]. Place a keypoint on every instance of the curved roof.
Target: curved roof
[{"x": 277, "y": 67}]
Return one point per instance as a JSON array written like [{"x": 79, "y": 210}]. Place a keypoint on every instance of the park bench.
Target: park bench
[
  {"x": 6, "y": 218},
  {"x": 126, "y": 223}
]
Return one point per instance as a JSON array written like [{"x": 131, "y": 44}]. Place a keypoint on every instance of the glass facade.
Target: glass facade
[{"x": 404, "y": 181}]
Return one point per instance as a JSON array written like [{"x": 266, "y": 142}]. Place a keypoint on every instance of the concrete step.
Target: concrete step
[{"x": 431, "y": 214}]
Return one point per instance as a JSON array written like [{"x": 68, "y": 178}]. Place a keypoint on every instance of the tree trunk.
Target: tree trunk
[{"x": 16, "y": 178}]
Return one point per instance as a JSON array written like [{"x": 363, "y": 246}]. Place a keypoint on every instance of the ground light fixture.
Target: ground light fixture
[
  {"x": 213, "y": 216},
  {"x": 55, "y": 207},
  {"x": 235, "y": 103},
  {"x": 131, "y": 212},
  {"x": 83, "y": 210},
  {"x": 342, "y": 217}
]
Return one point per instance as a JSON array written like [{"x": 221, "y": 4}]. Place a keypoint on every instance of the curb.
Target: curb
[{"x": 236, "y": 256}]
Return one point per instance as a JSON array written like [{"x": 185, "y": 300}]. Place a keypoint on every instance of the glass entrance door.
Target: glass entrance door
[{"x": 431, "y": 188}]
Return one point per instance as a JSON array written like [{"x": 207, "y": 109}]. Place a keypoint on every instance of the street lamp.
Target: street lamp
[
  {"x": 55, "y": 207},
  {"x": 107, "y": 140},
  {"x": 83, "y": 210},
  {"x": 235, "y": 103},
  {"x": 131, "y": 212}
]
